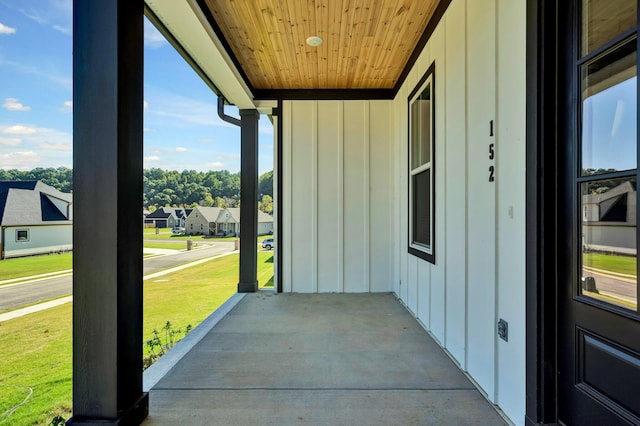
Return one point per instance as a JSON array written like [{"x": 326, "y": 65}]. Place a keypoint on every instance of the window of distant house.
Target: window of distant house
[
  {"x": 421, "y": 168},
  {"x": 22, "y": 235}
]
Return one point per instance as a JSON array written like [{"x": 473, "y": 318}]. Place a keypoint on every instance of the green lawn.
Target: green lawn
[
  {"x": 34, "y": 265},
  {"x": 169, "y": 246},
  {"x": 36, "y": 349},
  {"x": 608, "y": 262}
]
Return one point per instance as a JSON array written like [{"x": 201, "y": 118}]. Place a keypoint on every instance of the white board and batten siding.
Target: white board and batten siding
[
  {"x": 479, "y": 274},
  {"x": 338, "y": 181},
  {"x": 346, "y": 210}
]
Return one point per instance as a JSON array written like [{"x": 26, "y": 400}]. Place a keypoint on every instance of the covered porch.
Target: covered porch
[{"x": 313, "y": 359}]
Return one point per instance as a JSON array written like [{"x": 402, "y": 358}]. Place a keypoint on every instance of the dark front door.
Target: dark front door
[{"x": 598, "y": 317}]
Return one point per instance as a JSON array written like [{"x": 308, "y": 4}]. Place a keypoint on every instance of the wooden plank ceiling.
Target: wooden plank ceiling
[{"x": 367, "y": 43}]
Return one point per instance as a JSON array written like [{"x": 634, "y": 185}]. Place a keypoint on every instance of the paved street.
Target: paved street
[
  {"x": 624, "y": 288},
  {"x": 16, "y": 296}
]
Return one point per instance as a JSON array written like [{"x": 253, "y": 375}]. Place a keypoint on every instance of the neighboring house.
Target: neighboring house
[
  {"x": 179, "y": 213},
  {"x": 202, "y": 221},
  {"x": 163, "y": 217},
  {"x": 35, "y": 218},
  {"x": 432, "y": 149},
  {"x": 609, "y": 220},
  {"x": 222, "y": 221},
  {"x": 228, "y": 222}
]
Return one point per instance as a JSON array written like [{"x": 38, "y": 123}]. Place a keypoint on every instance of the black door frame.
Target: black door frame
[{"x": 541, "y": 201}]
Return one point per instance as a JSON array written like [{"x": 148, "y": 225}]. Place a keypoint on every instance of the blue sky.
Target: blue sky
[
  {"x": 609, "y": 132},
  {"x": 182, "y": 129}
]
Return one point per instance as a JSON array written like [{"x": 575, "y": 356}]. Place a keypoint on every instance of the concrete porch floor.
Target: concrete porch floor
[{"x": 321, "y": 359}]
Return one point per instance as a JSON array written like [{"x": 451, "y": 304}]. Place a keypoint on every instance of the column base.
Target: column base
[
  {"x": 135, "y": 415},
  {"x": 248, "y": 287}
]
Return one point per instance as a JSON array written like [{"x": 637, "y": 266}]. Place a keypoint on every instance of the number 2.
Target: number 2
[{"x": 491, "y": 170}]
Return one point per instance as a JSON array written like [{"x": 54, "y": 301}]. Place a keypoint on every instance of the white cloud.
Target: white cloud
[
  {"x": 12, "y": 104},
  {"x": 181, "y": 149},
  {"x": 50, "y": 74},
  {"x": 152, "y": 37},
  {"x": 67, "y": 106},
  {"x": 10, "y": 141},
  {"x": 59, "y": 146},
  {"x": 57, "y": 14},
  {"x": 19, "y": 129},
  {"x": 217, "y": 165},
  {"x": 21, "y": 160},
  {"x": 148, "y": 129},
  {"x": 4, "y": 29},
  {"x": 152, "y": 158},
  {"x": 145, "y": 104},
  {"x": 64, "y": 30},
  {"x": 39, "y": 147}
]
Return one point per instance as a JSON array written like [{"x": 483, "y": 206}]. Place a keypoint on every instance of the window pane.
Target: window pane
[
  {"x": 609, "y": 124},
  {"x": 421, "y": 129},
  {"x": 604, "y": 20},
  {"x": 609, "y": 251},
  {"x": 421, "y": 210}
]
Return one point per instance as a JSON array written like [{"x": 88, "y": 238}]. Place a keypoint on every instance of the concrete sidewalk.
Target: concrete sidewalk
[{"x": 338, "y": 359}]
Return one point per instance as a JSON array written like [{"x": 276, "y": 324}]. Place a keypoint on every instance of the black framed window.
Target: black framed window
[{"x": 421, "y": 104}]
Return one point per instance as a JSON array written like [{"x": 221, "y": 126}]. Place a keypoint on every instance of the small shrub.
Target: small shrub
[{"x": 162, "y": 341}]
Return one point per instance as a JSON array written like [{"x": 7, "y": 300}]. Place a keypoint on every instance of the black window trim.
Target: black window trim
[
  {"x": 429, "y": 256},
  {"x": 18, "y": 240}
]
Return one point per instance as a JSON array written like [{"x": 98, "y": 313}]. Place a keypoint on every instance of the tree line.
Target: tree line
[{"x": 167, "y": 187}]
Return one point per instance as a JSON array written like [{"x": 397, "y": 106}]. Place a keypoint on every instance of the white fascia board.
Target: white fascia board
[{"x": 189, "y": 26}]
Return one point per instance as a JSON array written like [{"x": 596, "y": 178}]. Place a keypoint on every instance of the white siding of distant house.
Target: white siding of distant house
[
  {"x": 265, "y": 228},
  {"x": 42, "y": 239},
  {"x": 479, "y": 274},
  {"x": 338, "y": 206}
]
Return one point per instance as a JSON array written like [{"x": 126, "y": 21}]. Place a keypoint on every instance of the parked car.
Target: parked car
[
  {"x": 267, "y": 243},
  {"x": 178, "y": 230}
]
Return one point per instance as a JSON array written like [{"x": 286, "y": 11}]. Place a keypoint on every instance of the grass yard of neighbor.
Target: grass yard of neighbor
[
  {"x": 608, "y": 262},
  {"x": 34, "y": 265},
  {"x": 36, "y": 349}
]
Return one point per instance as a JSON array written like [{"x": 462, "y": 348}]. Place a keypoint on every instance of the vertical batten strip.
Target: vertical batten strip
[
  {"x": 287, "y": 207},
  {"x": 314, "y": 199},
  {"x": 341, "y": 197},
  {"x": 466, "y": 192},
  {"x": 441, "y": 71},
  {"x": 367, "y": 196},
  {"x": 496, "y": 196}
]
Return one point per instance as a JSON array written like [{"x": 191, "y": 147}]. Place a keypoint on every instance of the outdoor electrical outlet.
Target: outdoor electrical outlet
[{"x": 503, "y": 330}]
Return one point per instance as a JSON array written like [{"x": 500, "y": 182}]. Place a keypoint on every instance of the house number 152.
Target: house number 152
[{"x": 492, "y": 154}]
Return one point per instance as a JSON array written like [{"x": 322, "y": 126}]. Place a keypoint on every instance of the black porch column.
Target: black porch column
[
  {"x": 248, "y": 200},
  {"x": 107, "y": 192}
]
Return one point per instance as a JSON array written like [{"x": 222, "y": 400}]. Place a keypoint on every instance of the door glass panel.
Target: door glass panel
[
  {"x": 609, "y": 112},
  {"x": 604, "y": 20},
  {"x": 609, "y": 250}
]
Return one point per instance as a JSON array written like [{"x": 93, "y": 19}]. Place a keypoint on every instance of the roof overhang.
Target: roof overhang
[{"x": 253, "y": 54}]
